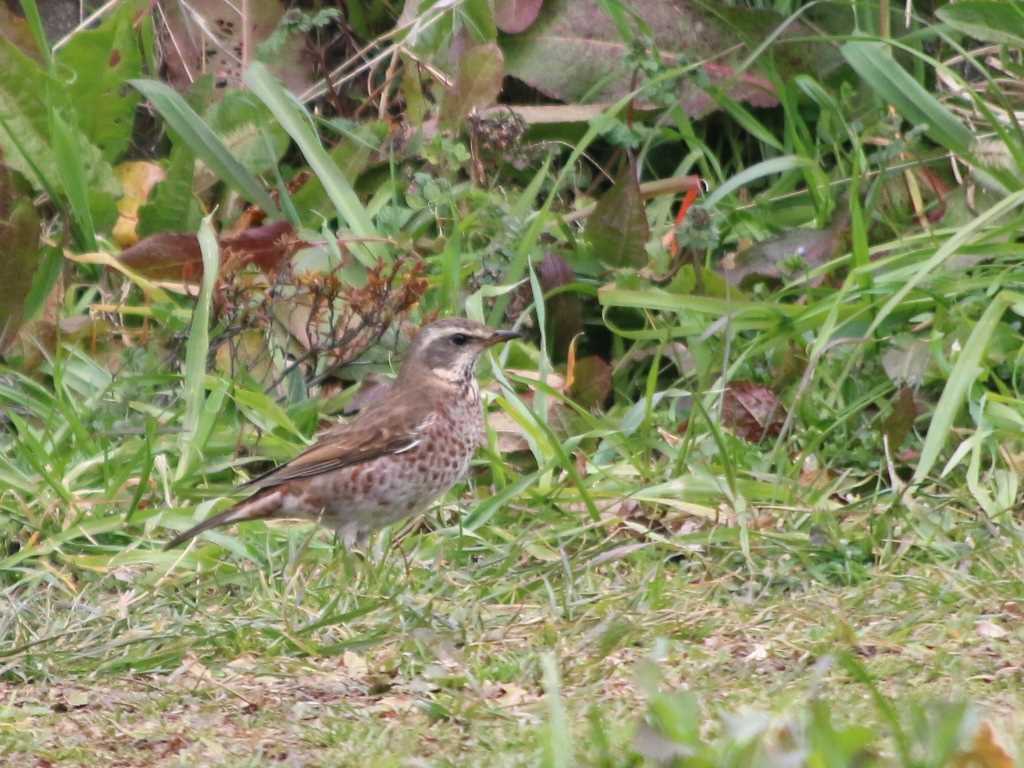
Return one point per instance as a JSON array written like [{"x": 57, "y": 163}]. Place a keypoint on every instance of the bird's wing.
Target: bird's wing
[{"x": 388, "y": 428}]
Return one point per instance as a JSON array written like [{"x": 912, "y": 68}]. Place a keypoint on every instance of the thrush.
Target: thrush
[{"x": 396, "y": 457}]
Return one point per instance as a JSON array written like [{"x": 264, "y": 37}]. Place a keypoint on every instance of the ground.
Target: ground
[{"x": 409, "y": 661}]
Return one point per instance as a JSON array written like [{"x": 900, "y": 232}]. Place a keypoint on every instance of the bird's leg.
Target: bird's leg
[{"x": 352, "y": 535}]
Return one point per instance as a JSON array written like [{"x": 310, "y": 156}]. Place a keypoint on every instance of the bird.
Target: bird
[{"x": 395, "y": 457}]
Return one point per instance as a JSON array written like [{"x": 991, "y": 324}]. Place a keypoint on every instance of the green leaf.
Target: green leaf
[
  {"x": 479, "y": 20},
  {"x": 618, "y": 228},
  {"x": 172, "y": 206},
  {"x": 205, "y": 143},
  {"x": 48, "y": 271},
  {"x": 264, "y": 412},
  {"x": 873, "y": 62},
  {"x": 27, "y": 93},
  {"x": 994, "y": 22},
  {"x": 963, "y": 375},
  {"x": 755, "y": 172},
  {"x": 197, "y": 349},
  {"x": 68, "y": 154},
  {"x": 298, "y": 125},
  {"x": 103, "y": 60},
  {"x": 557, "y": 741},
  {"x": 352, "y": 156},
  {"x": 242, "y": 122}
]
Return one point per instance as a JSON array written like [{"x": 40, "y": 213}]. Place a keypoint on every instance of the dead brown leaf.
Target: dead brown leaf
[
  {"x": 752, "y": 411},
  {"x": 985, "y": 752}
]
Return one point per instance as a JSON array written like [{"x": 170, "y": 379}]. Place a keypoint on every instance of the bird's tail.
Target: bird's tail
[{"x": 258, "y": 507}]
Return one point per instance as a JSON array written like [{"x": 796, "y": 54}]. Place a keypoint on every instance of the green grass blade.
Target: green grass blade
[
  {"x": 338, "y": 188},
  {"x": 753, "y": 173},
  {"x": 68, "y": 155},
  {"x": 876, "y": 66},
  {"x": 557, "y": 741},
  {"x": 205, "y": 143},
  {"x": 197, "y": 349},
  {"x": 964, "y": 373}
]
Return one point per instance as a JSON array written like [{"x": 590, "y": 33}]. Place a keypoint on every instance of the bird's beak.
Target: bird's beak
[{"x": 499, "y": 336}]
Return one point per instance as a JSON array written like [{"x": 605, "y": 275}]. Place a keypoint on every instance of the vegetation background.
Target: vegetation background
[{"x": 751, "y": 493}]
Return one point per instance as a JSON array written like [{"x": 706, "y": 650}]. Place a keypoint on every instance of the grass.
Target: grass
[{"x": 316, "y": 657}]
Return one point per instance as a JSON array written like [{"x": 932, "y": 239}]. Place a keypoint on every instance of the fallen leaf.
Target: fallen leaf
[
  {"x": 752, "y": 411},
  {"x": 618, "y": 228},
  {"x": 898, "y": 424},
  {"x": 989, "y": 629},
  {"x": 354, "y": 663},
  {"x": 207, "y": 36},
  {"x": 573, "y": 51},
  {"x": 907, "y": 360},
  {"x": 513, "y": 695},
  {"x": 564, "y": 310},
  {"x": 77, "y": 699},
  {"x": 985, "y": 751},
  {"x": 165, "y": 256},
  {"x": 16, "y": 29},
  {"x": 771, "y": 258},
  {"x": 20, "y": 255},
  {"x": 758, "y": 653},
  {"x": 176, "y": 256},
  {"x": 477, "y": 82},
  {"x": 137, "y": 177},
  {"x": 510, "y": 435}
]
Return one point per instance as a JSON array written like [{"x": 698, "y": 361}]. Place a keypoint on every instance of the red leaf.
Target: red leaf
[
  {"x": 176, "y": 256},
  {"x": 477, "y": 83},
  {"x": 513, "y": 16},
  {"x": 166, "y": 256},
  {"x": 752, "y": 411},
  {"x": 265, "y": 246}
]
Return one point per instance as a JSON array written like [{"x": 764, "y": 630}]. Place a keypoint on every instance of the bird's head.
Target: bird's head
[{"x": 448, "y": 349}]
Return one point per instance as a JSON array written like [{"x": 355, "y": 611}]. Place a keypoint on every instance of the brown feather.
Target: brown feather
[{"x": 390, "y": 425}]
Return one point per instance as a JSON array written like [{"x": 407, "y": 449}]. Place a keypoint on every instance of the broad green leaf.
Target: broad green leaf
[
  {"x": 102, "y": 61},
  {"x": 205, "y": 143},
  {"x": 248, "y": 130},
  {"x": 873, "y": 62},
  {"x": 26, "y": 95},
  {"x": 996, "y": 21},
  {"x": 478, "y": 18},
  {"x": 173, "y": 206}
]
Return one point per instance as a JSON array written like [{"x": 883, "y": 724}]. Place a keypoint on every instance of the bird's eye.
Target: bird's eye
[{"x": 459, "y": 339}]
